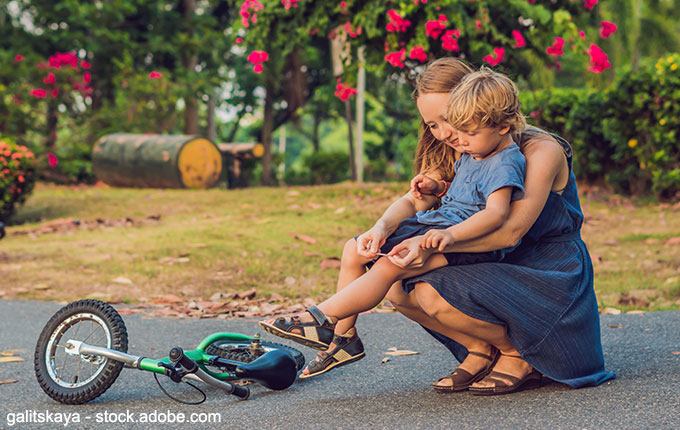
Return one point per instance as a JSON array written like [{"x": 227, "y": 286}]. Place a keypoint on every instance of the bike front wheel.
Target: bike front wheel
[{"x": 72, "y": 378}]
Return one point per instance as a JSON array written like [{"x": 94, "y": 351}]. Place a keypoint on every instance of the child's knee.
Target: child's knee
[{"x": 350, "y": 256}]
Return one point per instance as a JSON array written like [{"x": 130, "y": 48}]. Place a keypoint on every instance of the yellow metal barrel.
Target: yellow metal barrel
[{"x": 156, "y": 161}]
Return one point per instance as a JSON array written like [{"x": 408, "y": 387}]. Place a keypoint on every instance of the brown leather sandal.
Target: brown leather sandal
[
  {"x": 530, "y": 381},
  {"x": 462, "y": 379}
]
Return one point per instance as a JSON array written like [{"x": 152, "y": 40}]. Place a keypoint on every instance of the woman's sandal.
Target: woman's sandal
[
  {"x": 316, "y": 334},
  {"x": 348, "y": 349},
  {"x": 528, "y": 382},
  {"x": 462, "y": 379}
]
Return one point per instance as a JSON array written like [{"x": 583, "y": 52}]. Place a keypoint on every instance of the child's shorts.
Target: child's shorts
[{"x": 410, "y": 227}]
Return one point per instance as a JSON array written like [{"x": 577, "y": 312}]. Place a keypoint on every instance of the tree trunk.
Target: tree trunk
[
  {"x": 267, "y": 130},
  {"x": 317, "y": 125},
  {"x": 52, "y": 121},
  {"x": 189, "y": 60},
  {"x": 211, "y": 128},
  {"x": 348, "y": 117}
]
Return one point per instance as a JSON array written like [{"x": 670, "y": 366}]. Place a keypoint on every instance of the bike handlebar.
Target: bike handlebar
[{"x": 177, "y": 355}]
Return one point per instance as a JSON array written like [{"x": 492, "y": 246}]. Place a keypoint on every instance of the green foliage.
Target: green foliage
[
  {"x": 627, "y": 135},
  {"x": 326, "y": 167},
  {"x": 17, "y": 176}
]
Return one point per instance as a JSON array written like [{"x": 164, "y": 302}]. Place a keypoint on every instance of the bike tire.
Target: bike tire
[
  {"x": 238, "y": 351},
  {"x": 104, "y": 321}
]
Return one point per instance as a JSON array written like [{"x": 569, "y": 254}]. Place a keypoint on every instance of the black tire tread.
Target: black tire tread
[
  {"x": 242, "y": 355},
  {"x": 99, "y": 385}
]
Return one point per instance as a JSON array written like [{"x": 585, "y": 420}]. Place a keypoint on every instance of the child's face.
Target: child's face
[
  {"x": 432, "y": 108},
  {"x": 481, "y": 142}
]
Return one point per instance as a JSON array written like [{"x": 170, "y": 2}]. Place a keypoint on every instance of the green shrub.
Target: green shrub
[
  {"x": 626, "y": 135},
  {"x": 17, "y": 176},
  {"x": 327, "y": 167}
]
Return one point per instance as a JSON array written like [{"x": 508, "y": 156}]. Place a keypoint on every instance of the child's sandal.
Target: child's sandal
[
  {"x": 348, "y": 349},
  {"x": 316, "y": 334}
]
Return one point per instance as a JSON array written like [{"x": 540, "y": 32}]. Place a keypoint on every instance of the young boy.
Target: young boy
[{"x": 484, "y": 109}]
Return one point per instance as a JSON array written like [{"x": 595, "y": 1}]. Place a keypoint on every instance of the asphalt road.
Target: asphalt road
[{"x": 366, "y": 395}]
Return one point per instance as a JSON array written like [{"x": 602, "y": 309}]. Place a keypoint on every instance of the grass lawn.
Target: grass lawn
[{"x": 138, "y": 244}]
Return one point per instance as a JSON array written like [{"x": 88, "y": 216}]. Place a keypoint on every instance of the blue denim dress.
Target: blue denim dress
[{"x": 541, "y": 291}]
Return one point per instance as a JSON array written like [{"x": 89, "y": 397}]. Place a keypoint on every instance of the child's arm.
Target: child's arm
[{"x": 479, "y": 224}]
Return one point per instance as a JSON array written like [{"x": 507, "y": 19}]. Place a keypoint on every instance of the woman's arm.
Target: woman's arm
[
  {"x": 407, "y": 206},
  {"x": 545, "y": 165}
]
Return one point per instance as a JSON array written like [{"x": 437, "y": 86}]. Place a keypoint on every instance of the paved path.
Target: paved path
[{"x": 368, "y": 394}]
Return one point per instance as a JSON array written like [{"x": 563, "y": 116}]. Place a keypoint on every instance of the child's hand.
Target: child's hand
[
  {"x": 369, "y": 243},
  {"x": 437, "y": 239},
  {"x": 422, "y": 184},
  {"x": 408, "y": 254}
]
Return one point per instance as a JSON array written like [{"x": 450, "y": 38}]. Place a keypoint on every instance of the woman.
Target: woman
[{"x": 535, "y": 311}]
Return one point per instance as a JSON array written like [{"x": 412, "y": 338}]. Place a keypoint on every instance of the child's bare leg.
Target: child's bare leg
[
  {"x": 367, "y": 291},
  {"x": 352, "y": 267}
]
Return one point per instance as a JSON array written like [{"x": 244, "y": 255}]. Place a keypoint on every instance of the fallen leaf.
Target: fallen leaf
[
  {"x": 314, "y": 205},
  {"x": 385, "y": 360},
  {"x": 615, "y": 325},
  {"x": 168, "y": 299},
  {"x": 304, "y": 238},
  {"x": 312, "y": 254},
  {"x": 11, "y": 359},
  {"x": 293, "y": 193},
  {"x": 339, "y": 210},
  {"x": 8, "y": 381},
  {"x": 246, "y": 294},
  {"x": 330, "y": 263},
  {"x": 675, "y": 352},
  {"x": 121, "y": 280},
  {"x": 612, "y": 242},
  {"x": 308, "y": 302},
  {"x": 672, "y": 241},
  {"x": 197, "y": 245},
  {"x": 639, "y": 312},
  {"x": 398, "y": 352},
  {"x": 611, "y": 311}
]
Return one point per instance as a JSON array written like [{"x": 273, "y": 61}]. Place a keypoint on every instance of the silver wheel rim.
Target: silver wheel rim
[{"x": 75, "y": 371}]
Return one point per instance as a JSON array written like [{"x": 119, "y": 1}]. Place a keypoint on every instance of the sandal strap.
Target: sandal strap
[
  {"x": 496, "y": 378},
  {"x": 318, "y": 316},
  {"x": 479, "y": 354}
]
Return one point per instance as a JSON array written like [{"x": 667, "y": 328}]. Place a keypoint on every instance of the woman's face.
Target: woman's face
[{"x": 432, "y": 108}]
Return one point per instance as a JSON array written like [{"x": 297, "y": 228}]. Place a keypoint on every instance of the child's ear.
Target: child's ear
[{"x": 504, "y": 130}]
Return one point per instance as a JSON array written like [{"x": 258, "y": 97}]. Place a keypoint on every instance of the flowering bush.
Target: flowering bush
[
  {"x": 626, "y": 135},
  {"x": 17, "y": 176}
]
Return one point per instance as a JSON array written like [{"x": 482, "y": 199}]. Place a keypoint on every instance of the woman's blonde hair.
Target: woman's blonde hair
[
  {"x": 440, "y": 76},
  {"x": 485, "y": 99}
]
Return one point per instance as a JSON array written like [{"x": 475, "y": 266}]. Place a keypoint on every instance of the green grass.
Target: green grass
[{"x": 209, "y": 241}]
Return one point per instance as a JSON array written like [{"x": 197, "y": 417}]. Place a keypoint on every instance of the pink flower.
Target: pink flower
[
  {"x": 85, "y": 65},
  {"x": 258, "y": 57},
  {"x": 238, "y": 40},
  {"x": 344, "y": 92},
  {"x": 39, "y": 93},
  {"x": 396, "y": 58},
  {"x": 49, "y": 79},
  {"x": 497, "y": 56},
  {"x": 582, "y": 34},
  {"x": 519, "y": 39},
  {"x": 478, "y": 23},
  {"x": 556, "y": 48},
  {"x": 287, "y": 4},
  {"x": 607, "y": 29},
  {"x": 598, "y": 59},
  {"x": 63, "y": 59},
  {"x": 18, "y": 58},
  {"x": 249, "y": 10},
  {"x": 343, "y": 5},
  {"x": 418, "y": 53},
  {"x": 155, "y": 75},
  {"x": 52, "y": 159},
  {"x": 257, "y": 68},
  {"x": 397, "y": 23},
  {"x": 350, "y": 30},
  {"x": 55, "y": 93},
  {"x": 590, "y": 4},
  {"x": 434, "y": 28},
  {"x": 87, "y": 77},
  {"x": 450, "y": 40}
]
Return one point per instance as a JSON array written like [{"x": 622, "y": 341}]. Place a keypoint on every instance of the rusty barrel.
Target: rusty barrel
[{"x": 156, "y": 161}]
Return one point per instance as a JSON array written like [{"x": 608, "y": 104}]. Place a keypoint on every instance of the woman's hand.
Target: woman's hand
[
  {"x": 437, "y": 239},
  {"x": 409, "y": 255},
  {"x": 422, "y": 184},
  {"x": 369, "y": 243}
]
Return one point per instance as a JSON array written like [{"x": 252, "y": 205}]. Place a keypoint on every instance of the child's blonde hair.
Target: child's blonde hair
[{"x": 485, "y": 99}]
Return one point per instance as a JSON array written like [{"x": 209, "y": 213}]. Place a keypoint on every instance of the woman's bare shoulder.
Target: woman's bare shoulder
[
  {"x": 547, "y": 159},
  {"x": 543, "y": 148}
]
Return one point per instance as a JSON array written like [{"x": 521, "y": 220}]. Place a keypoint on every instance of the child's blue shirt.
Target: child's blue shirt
[{"x": 474, "y": 181}]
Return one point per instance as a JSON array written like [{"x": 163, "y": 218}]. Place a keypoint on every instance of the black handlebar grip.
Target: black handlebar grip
[
  {"x": 176, "y": 355},
  {"x": 242, "y": 392}
]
